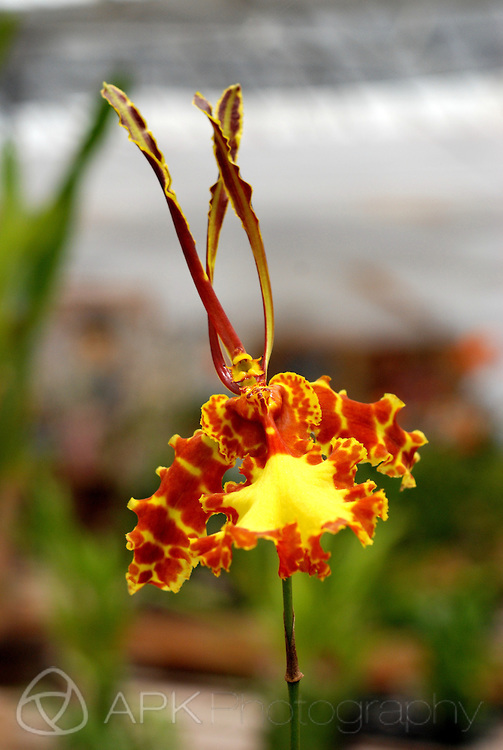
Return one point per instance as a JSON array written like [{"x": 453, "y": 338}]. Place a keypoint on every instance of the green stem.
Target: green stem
[{"x": 293, "y": 675}]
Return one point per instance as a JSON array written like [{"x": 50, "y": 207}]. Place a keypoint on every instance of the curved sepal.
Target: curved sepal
[
  {"x": 132, "y": 121},
  {"x": 229, "y": 112},
  {"x": 240, "y": 194}
]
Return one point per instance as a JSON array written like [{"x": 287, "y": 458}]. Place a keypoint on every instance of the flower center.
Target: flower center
[{"x": 246, "y": 370}]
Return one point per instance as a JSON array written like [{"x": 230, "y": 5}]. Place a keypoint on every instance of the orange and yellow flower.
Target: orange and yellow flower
[{"x": 298, "y": 443}]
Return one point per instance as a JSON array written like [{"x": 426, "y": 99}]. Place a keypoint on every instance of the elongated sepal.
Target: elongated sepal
[
  {"x": 133, "y": 122},
  {"x": 240, "y": 195},
  {"x": 229, "y": 112}
]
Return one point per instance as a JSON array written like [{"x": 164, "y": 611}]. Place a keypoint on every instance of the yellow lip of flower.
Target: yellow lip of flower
[
  {"x": 299, "y": 442},
  {"x": 293, "y": 497},
  {"x": 293, "y": 501}
]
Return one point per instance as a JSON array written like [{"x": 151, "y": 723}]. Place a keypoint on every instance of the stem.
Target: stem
[{"x": 293, "y": 674}]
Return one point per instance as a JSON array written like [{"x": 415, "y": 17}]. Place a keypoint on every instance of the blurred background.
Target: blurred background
[{"x": 373, "y": 138}]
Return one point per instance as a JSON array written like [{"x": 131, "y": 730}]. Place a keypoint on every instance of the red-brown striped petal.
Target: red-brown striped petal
[
  {"x": 288, "y": 407},
  {"x": 298, "y": 412},
  {"x": 173, "y": 515},
  {"x": 235, "y": 433},
  {"x": 389, "y": 447}
]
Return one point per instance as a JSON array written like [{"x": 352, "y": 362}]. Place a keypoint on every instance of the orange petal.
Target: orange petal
[
  {"x": 172, "y": 516},
  {"x": 389, "y": 447},
  {"x": 236, "y": 433},
  {"x": 215, "y": 551},
  {"x": 289, "y": 405},
  {"x": 299, "y": 411}
]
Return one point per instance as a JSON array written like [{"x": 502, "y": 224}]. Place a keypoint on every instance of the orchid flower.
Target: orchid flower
[{"x": 298, "y": 443}]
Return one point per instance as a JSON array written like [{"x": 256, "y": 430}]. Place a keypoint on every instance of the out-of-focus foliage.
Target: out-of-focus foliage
[
  {"x": 432, "y": 579},
  {"x": 8, "y": 27},
  {"x": 444, "y": 583},
  {"x": 84, "y": 584},
  {"x": 412, "y": 616},
  {"x": 90, "y": 612},
  {"x": 32, "y": 246}
]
